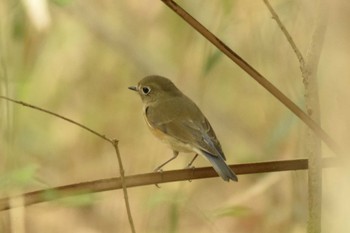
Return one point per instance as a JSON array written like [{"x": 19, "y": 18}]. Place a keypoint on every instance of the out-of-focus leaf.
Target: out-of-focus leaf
[
  {"x": 165, "y": 197},
  {"x": 50, "y": 194},
  {"x": 211, "y": 61},
  {"x": 18, "y": 25},
  {"x": 174, "y": 201},
  {"x": 20, "y": 177},
  {"x": 174, "y": 214},
  {"x": 280, "y": 132},
  {"x": 235, "y": 211},
  {"x": 228, "y": 6},
  {"x": 62, "y": 2},
  {"x": 83, "y": 199}
]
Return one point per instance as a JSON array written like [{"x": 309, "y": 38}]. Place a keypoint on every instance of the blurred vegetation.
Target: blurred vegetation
[{"x": 77, "y": 58}]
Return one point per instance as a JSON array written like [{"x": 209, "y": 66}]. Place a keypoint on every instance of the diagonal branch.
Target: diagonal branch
[
  {"x": 56, "y": 115},
  {"x": 163, "y": 177},
  {"x": 254, "y": 74}
]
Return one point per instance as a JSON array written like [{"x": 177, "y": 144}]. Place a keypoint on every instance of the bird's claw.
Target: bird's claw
[
  {"x": 159, "y": 170},
  {"x": 190, "y": 166}
]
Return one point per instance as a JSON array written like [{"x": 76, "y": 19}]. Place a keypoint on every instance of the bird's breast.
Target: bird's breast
[{"x": 174, "y": 143}]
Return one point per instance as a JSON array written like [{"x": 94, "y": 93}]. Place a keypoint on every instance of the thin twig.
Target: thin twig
[
  {"x": 57, "y": 115},
  {"x": 254, "y": 74},
  {"x": 122, "y": 179},
  {"x": 112, "y": 141},
  {"x": 286, "y": 34},
  {"x": 163, "y": 177}
]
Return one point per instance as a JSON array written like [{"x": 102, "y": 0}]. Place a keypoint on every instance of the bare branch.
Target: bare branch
[
  {"x": 57, "y": 115},
  {"x": 163, "y": 177}
]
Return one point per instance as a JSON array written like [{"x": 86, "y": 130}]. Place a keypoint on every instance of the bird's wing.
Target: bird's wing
[{"x": 185, "y": 122}]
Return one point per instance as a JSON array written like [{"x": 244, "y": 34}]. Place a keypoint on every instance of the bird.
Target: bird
[{"x": 177, "y": 121}]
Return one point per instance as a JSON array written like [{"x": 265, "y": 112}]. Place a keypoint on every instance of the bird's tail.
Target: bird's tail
[{"x": 220, "y": 167}]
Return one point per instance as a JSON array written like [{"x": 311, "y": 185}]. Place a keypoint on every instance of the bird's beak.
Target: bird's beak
[{"x": 133, "y": 88}]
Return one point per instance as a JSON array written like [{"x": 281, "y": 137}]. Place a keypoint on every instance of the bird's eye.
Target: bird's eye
[{"x": 146, "y": 90}]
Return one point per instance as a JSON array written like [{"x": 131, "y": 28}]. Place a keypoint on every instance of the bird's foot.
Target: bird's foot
[
  {"x": 158, "y": 170},
  {"x": 190, "y": 166}
]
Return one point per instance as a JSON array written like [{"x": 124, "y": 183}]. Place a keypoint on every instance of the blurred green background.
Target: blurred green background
[{"x": 77, "y": 58}]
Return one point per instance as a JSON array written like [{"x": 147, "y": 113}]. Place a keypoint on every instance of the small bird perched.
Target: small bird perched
[{"x": 176, "y": 120}]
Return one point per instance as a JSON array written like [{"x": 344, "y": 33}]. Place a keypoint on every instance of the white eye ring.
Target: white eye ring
[{"x": 145, "y": 90}]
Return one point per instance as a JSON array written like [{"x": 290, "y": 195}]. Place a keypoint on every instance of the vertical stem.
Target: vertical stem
[
  {"x": 6, "y": 120},
  {"x": 125, "y": 191},
  {"x": 313, "y": 143},
  {"x": 314, "y": 153},
  {"x": 17, "y": 215}
]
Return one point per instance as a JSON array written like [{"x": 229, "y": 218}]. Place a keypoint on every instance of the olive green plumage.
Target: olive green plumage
[{"x": 176, "y": 120}]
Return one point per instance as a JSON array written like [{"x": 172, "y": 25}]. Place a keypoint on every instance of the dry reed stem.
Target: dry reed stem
[
  {"x": 254, "y": 74},
  {"x": 163, "y": 177}
]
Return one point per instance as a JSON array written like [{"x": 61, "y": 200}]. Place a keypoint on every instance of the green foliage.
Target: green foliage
[
  {"x": 19, "y": 178},
  {"x": 62, "y": 2},
  {"x": 19, "y": 25},
  {"x": 227, "y": 6},
  {"x": 81, "y": 200},
  {"x": 78, "y": 200},
  {"x": 211, "y": 61},
  {"x": 161, "y": 197},
  {"x": 233, "y": 211},
  {"x": 174, "y": 202}
]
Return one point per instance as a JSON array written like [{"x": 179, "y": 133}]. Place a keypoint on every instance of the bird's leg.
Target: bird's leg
[
  {"x": 159, "y": 168},
  {"x": 189, "y": 165}
]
